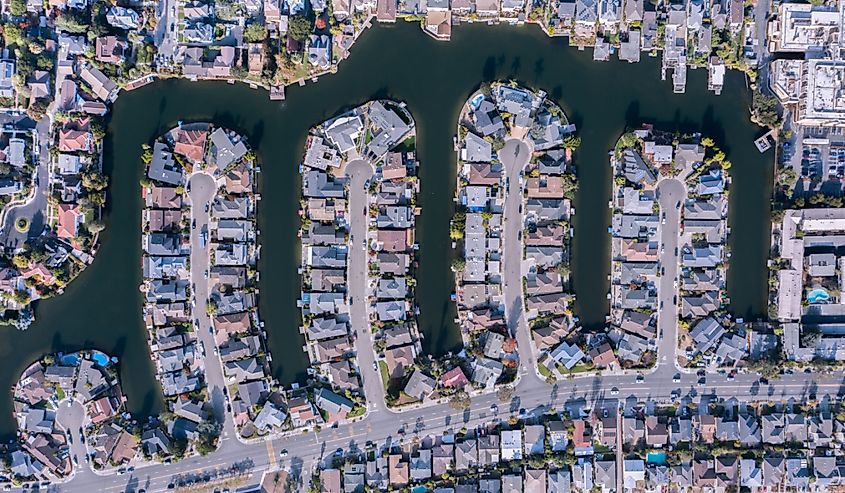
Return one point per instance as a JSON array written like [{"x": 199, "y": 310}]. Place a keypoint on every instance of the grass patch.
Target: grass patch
[
  {"x": 60, "y": 393},
  {"x": 544, "y": 371},
  {"x": 385, "y": 375}
]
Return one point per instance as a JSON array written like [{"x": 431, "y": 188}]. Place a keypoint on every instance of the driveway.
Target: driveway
[
  {"x": 514, "y": 156},
  {"x": 671, "y": 192},
  {"x": 359, "y": 171},
  {"x": 202, "y": 189}
]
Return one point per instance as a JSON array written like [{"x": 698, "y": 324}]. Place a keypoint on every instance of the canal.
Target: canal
[{"x": 102, "y": 309}]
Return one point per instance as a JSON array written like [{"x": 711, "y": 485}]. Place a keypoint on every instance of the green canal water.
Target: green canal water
[{"x": 102, "y": 309}]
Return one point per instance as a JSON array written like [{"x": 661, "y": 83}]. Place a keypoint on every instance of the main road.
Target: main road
[{"x": 574, "y": 395}]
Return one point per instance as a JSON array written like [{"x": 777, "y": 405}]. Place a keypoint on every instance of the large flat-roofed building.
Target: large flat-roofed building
[
  {"x": 813, "y": 89},
  {"x": 786, "y": 79},
  {"x": 803, "y": 27},
  {"x": 825, "y": 101}
]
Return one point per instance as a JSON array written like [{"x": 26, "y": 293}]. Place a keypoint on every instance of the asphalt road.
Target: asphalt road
[
  {"x": 514, "y": 156},
  {"x": 575, "y": 395},
  {"x": 671, "y": 193},
  {"x": 202, "y": 190},
  {"x": 359, "y": 171}
]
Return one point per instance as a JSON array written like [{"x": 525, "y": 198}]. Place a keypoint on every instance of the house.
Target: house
[
  {"x": 751, "y": 475},
  {"x": 466, "y": 454},
  {"x": 534, "y": 439},
  {"x": 398, "y": 359},
  {"x": 70, "y": 219},
  {"x": 330, "y": 481},
  {"x": 559, "y": 481},
  {"x": 319, "y": 51},
  {"x": 420, "y": 465},
  {"x": 511, "y": 445},
  {"x": 110, "y": 49},
  {"x": 225, "y": 151},
  {"x": 633, "y": 430},
  {"x": 454, "y": 378},
  {"x": 568, "y": 355},
  {"x": 488, "y": 450},
  {"x": 633, "y": 474},
  {"x": 706, "y": 333},
  {"x": 270, "y": 417},
  {"x": 605, "y": 475},
  {"x": 486, "y": 372},
  {"x": 397, "y": 470},
  {"x": 557, "y": 435},
  {"x": 656, "y": 433},
  {"x": 104, "y": 88},
  {"x": 442, "y": 455},
  {"x": 420, "y": 385}
]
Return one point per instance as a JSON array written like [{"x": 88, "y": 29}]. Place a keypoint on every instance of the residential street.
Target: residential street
[
  {"x": 36, "y": 208},
  {"x": 514, "y": 156},
  {"x": 202, "y": 189},
  {"x": 359, "y": 172},
  {"x": 671, "y": 196}
]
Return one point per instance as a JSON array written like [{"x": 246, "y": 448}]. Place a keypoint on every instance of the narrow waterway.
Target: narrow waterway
[{"x": 102, "y": 309}]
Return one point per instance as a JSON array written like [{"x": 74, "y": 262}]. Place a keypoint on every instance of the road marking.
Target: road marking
[{"x": 271, "y": 453}]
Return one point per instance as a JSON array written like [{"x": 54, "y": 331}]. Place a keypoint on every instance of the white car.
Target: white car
[
  {"x": 614, "y": 391},
  {"x": 283, "y": 453}
]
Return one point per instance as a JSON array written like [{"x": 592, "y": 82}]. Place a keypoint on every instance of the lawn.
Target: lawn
[{"x": 385, "y": 375}]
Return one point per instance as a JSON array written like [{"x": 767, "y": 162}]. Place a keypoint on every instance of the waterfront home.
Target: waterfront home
[
  {"x": 699, "y": 306},
  {"x": 225, "y": 150},
  {"x": 163, "y": 167},
  {"x": 398, "y": 359}
]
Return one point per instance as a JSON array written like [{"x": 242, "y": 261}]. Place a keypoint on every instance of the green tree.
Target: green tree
[
  {"x": 17, "y": 7},
  {"x": 299, "y": 27},
  {"x": 72, "y": 21},
  {"x": 94, "y": 180},
  {"x": 255, "y": 33},
  {"x": 12, "y": 34},
  {"x": 764, "y": 110}
]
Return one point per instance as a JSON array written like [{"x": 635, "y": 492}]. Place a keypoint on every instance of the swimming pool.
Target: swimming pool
[
  {"x": 818, "y": 295},
  {"x": 100, "y": 358},
  {"x": 658, "y": 458},
  {"x": 476, "y": 101}
]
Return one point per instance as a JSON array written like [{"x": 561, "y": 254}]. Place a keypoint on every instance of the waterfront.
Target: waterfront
[{"x": 102, "y": 308}]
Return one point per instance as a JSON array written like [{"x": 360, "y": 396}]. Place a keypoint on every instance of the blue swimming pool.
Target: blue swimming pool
[
  {"x": 476, "y": 101},
  {"x": 658, "y": 458},
  {"x": 70, "y": 359},
  {"x": 100, "y": 358},
  {"x": 818, "y": 295}
]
